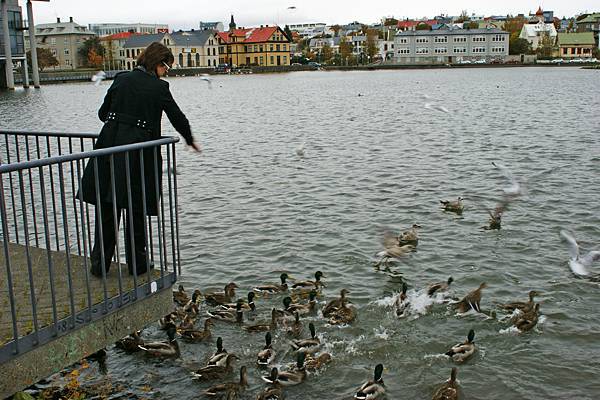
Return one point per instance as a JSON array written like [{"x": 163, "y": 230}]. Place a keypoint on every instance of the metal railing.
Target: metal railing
[{"x": 47, "y": 232}]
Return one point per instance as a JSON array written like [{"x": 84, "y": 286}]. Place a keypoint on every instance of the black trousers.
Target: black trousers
[{"x": 108, "y": 240}]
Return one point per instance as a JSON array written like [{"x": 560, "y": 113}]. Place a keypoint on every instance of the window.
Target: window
[
  {"x": 277, "y": 47},
  {"x": 422, "y": 40},
  {"x": 262, "y": 60},
  {"x": 67, "y": 62},
  {"x": 498, "y": 38},
  {"x": 478, "y": 50},
  {"x": 272, "y": 60},
  {"x": 479, "y": 38},
  {"x": 440, "y": 50},
  {"x": 285, "y": 47},
  {"x": 422, "y": 50},
  {"x": 53, "y": 52},
  {"x": 66, "y": 41},
  {"x": 271, "y": 47},
  {"x": 404, "y": 51},
  {"x": 441, "y": 39},
  {"x": 285, "y": 59},
  {"x": 460, "y": 50},
  {"x": 460, "y": 39},
  {"x": 53, "y": 41},
  {"x": 497, "y": 49},
  {"x": 261, "y": 48},
  {"x": 66, "y": 52},
  {"x": 403, "y": 40}
]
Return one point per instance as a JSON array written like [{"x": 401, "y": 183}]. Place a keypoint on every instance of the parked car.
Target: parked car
[
  {"x": 577, "y": 60},
  {"x": 314, "y": 64},
  {"x": 296, "y": 64},
  {"x": 558, "y": 61},
  {"x": 593, "y": 60},
  {"x": 222, "y": 69},
  {"x": 464, "y": 61},
  {"x": 480, "y": 62}
]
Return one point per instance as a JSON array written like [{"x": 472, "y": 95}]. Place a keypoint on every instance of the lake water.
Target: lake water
[{"x": 377, "y": 159}]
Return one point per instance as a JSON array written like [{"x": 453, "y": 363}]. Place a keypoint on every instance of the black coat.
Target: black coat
[{"x": 135, "y": 95}]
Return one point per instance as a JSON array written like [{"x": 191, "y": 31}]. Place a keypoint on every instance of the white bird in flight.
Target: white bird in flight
[
  {"x": 99, "y": 77},
  {"x": 206, "y": 79},
  {"x": 514, "y": 189},
  {"x": 579, "y": 265}
]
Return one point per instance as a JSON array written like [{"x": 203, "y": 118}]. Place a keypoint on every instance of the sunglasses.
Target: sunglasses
[{"x": 167, "y": 68}]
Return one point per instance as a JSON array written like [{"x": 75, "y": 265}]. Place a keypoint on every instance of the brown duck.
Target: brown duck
[{"x": 471, "y": 301}]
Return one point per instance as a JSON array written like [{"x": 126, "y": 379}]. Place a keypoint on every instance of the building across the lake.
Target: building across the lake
[
  {"x": 111, "y": 29},
  {"x": 576, "y": 45},
  {"x": 63, "y": 39},
  {"x": 450, "y": 45},
  {"x": 214, "y": 26},
  {"x": 11, "y": 16}
]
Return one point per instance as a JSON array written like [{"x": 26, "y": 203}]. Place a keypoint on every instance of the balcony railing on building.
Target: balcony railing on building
[{"x": 47, "y": 234}]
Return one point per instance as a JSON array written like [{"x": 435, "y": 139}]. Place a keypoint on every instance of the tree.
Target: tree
[
  {"x": 371, "y": 45},
  {"x": 545, "y": 47},
  {"x": 464, "y": 16},
  {"x": 345, "y": 48},
  {"x": 390, "y": 22},
  {"x": 45, "y": 58},
  {"x": 92, "y": 52},
  {"x": 422, "y": 26},
  {"x": 288, "y": 33},
  {"x": 519, "y": 46},
  {"x": 326, "y": 52}
]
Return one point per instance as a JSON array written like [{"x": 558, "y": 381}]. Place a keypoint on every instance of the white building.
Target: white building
[
  {"x": 309, "y": 30},
  {"x": 534, "y": 32},
  {"x": 111, "y": 29},
  {"x": 450, "y": 45}
]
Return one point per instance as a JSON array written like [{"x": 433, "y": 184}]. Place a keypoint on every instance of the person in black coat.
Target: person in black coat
[{"x": 131, "y": 112}]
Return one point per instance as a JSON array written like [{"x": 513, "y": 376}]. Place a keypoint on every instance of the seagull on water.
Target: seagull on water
[
  {"x": 300, "y": 150},
  {"x": 578, "y": 264}
]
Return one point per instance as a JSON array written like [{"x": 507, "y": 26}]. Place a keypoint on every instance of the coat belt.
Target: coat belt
[{"x": 129, "y": 120}]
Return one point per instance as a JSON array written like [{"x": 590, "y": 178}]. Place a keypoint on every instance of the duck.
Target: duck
[
  {"x": 163, "y": 349},
  {"x": 194, "y": 335},
  {"x": 579, "y": 264},
  {"x": 271, "y": 289},
  {"x": 401, "y": 304},
  {"x": 343, "y": 315},
  {"x": 267, "y": 354},
  {"x": 310, "y": 285},
  {"x": 455, "y": 206},
  {"x": 526, "y": 321},
  {"x": 334, "y": 304},
  {"x": 372, "y": 389},
  {"x": 410, "y": 236},
  {"x": 230, "y": 389},
  {"x": 226, "y": 296},
  {"x": 463, "y": 351},
  {"x": 229, "y": 316},
  {"x": 316, "y": 363},
  {"x": 166, "y": 321},
  {"x": 211, "y": 372},
  {"x": 249, "y": 305},
  {"x": 180, "y": 296},
  {"x": 523, "y": 306},
  {"x": 439, "y": 287},
  {"x": 495, "y": 221},
  {"x": 131, "y": 342},
  {"x": 304, "y": 309},
  {"x": 186, "y": 324},
  {"x": 220, "y": 355},
  {"x": 294, "y": 328},
  {"x": 274, "y": 391},
  {"x": 471, "y": 301},
  {"x": 449, "y": 389},
  {"x": 265, "y": 326},
  {"x": 392, "y": 249},
  {"x": 310, "y": 345},
  {"x": 292, "y": 377}
]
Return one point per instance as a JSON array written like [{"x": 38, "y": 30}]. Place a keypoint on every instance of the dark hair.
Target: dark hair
[{"x": 154, "y": 55}]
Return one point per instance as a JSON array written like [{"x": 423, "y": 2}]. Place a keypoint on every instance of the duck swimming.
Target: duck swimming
[
  {"x": 523, "y": 306},
  {"x": 163, "y": 349},
  {"x": 265, "y": 326},
  {"x": 316, "y": 363},
  {"x": 180, "y": 296},
  {"x": 310, "y": 345},
  {"x": 335, "y": 303},
  {"x": 304, "y": 309},
  {"x": 401, "y": 304},
  {"x": 310, "y": 285},
  {"x": 220, "y": 355},
  {"x": 267, "y": 354},
  {"x": 343, "y": 315},
  {"x": 130, "y": 343},
  {"x": 410, "y": 236},
  {"x": 274, "y": 288},
  {"x": 471, "y": 301},
  {"x": 229, "y": 316},
  {"x": 463, "y": 351},
  {"x": 211, "y": 372},
  {"x": 455, "y": 206},
  {"x": 230, "y": 389},
  {"x": 526, "y": 321},
  {"x": 250, "y": 305},
  {"x": 439, "y": 287},
  {"x": 226, "y": 296},
  {"x": 372, "y": 389},
  {"x": 193, "y": 335},
  {"x": 292, "y": 377},
  {"x": 274, "y": 392},
  {"x": 449, "y": 389},
  {"x": 294, "y": 328}
]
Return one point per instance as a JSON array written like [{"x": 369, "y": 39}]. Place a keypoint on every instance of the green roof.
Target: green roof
[
  {"x": 593, "y": 18},
  {"x": 574, "y": 39}
]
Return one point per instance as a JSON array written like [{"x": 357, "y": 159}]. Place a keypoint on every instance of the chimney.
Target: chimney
[
  {"x": 58, "y": 20},
  {"x": 70, "y": 19}
]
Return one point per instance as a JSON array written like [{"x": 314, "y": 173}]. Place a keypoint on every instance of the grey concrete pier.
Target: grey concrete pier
[{"x": 71, "y": 345}]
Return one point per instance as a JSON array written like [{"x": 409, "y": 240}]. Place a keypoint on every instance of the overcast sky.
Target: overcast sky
[{"x": 185, "y": 14}]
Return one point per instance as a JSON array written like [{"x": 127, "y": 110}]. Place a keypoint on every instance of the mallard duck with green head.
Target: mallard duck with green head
[
  {"x": 224, "y": 297},
  {"x": 163, "y": 349},
  {"x": 229, "y": 316},
  {"x": 230, "y": 389},
  {"x": 461, "y": 352},
  {"x": 220, "y": 354},
  {"x": 275, "y": 288},
  {"x": 309, "y": 308},
  {"x": 292, "y": 377},
  {"x": 248, "y": 305},
  {"x": 310, "y": 345},
  {"x": 456, "y": 206},
  {"x": 449, "y": 389},
  {"x": 294, "y": 328},
  {"x": 308, "y": 286},
  {"x": 264, "y": 327},
  {"x": 334, "y": 304},
  {"x": 439, "y": 287},
  {"x": 195, "y": 335},
  {"x": 372, "y": 389},
  {"x": 274, "y": 391},
  {"x": 267, "y": 354}
]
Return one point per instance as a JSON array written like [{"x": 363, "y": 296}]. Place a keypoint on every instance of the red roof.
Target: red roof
[
  {"x": 120, "y": 35},
  {"x": 251, "y": 35},
  {"x": 410, "y": 23},
  {"x": 539, "y": 12}
]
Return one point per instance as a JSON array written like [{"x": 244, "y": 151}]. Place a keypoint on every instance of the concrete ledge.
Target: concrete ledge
[{"x": 39, "y": 363}]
